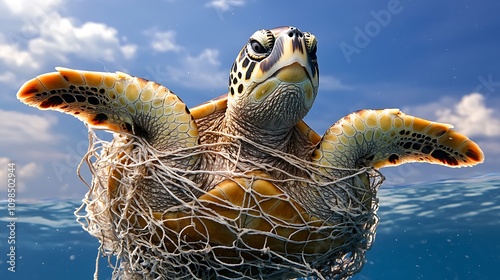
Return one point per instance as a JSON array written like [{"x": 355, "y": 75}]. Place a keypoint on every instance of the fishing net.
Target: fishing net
[{"x": 311, "y": 225}]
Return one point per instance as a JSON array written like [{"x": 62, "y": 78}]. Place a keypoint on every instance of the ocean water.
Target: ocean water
[{"x": 443, "y": 230}]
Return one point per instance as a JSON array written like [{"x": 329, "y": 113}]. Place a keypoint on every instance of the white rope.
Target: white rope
[{"x": 146, "y": 249}]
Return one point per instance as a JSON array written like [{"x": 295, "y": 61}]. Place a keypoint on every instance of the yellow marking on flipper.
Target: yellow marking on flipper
[
  {"x": 438, "y": 128},
  {"x": 368, "y": 135},
  {"x": 147, "y": 95},
  {"x": 340, "y": 148},
  {"x": 385, "y": 123},
  {"x": 157, "y": 103},
  {"x": 360, "y": 138},
  {"x": 113, "y": 101},
  {"x": 139, "y": 106},
  {"x": 131, "y": 109},
  {"x": 358, "y": 124},
  {"x": 132, "y": 92},
  {"x": 109, "y": 81},
  {"x": 370, "y": 118},
  {"x": 348, "y": 129},
  {"x": 344, "y": 140},
  {"x": 183, "y": 118},
  {"x": 93, "y": 79},
  {"x": 420, "y": 124},
  {"x": 122, "y": 75},
  {"x": 332, "y": 138},
  {"x": 336, "y": 130},
  {"x": 183, "y": 128},
  {"x": 377, "y": 135},
  {"x": 168, "y": 110},
  {"x": 398, "y": 123},
  {"x": 146, "y": 107},
  {"x": 123, "y": 101},
  {"x": 179, "y": 108},
  {"x": 395, "y": 138},
  {"x": 119, "y": 88},
  {"x": 75, "y": 78}
]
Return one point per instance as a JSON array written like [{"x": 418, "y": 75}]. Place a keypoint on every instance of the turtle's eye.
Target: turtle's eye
[
  {"x": 311, "y": 44},
  {"x": 257, "y": 47},
  {"x": 260, "y": 44}
]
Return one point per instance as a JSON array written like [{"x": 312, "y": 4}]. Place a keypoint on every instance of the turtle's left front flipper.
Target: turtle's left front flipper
[
  {"x": 381, "y": 138},
  {"x": 378, "y": 138}
]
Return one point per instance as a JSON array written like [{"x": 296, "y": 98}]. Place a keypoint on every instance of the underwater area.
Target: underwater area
[{"x": 442, "y": 230}]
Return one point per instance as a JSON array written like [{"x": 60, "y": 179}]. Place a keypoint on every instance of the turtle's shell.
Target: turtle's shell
[{"x": 248, "y": 226}]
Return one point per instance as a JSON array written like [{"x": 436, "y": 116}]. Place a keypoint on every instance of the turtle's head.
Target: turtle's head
[{"x": 274, "y": 80}]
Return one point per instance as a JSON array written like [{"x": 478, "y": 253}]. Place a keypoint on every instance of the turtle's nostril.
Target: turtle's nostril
[{"x": 295, "y": 32}]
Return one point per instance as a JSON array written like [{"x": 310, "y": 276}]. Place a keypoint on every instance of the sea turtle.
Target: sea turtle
[{"x": 241, "y": 180}]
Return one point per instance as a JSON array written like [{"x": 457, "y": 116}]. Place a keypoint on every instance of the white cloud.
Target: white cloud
[
  {"x": 27, "y": 7},
  {"x": 332, "y": 83},
  {"x": 128, "y": 51},
  {"x": 60, "y": 36},
  {"x": 200, "y": 71},
  {"x": 225, "y": 5},
  {"x": 164, "y": 41},
  {"x": 428, "y": 110},
  {"x": 13, "y": 56},
  {"x": 41, "y": 34},
  {"x": 22, "y": 172},
  {"x": 471, "y": 116},
  {"x": 19, "y": 128},
  {"x": 7, "y": 77}
]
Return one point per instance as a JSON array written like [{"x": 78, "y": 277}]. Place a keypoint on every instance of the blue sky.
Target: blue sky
[{"x": 435, "y": 59}]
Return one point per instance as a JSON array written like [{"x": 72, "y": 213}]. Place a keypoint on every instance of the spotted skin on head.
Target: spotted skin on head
[
  {"x": 279, "y": 48},
  {"x": 117, "y": 102},
  {"x": 388, "y": 137},
  {"x": 273, "y": 81}
]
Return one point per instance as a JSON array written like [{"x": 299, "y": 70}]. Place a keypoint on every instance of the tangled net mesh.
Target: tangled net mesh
[{"x": 333, "y": 225}]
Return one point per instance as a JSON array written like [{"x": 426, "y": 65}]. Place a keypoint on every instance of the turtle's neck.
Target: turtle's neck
[
  {"x": 287, "y": 140},
  {"x": 261, "y": 133}
]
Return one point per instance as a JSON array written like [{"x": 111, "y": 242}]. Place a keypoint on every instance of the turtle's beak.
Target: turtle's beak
[{"x": 293, "y": 73}]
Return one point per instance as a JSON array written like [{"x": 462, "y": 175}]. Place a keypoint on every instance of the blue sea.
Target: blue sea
[{"x": 442, "y": 230}]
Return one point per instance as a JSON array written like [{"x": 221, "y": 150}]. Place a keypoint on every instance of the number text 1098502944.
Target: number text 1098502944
[{"x": 11, "y": 208}]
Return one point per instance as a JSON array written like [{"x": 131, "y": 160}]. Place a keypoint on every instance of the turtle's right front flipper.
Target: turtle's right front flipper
[
  {"x": 126, "y": 104},
  {"x": 115, "y": 101}
]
